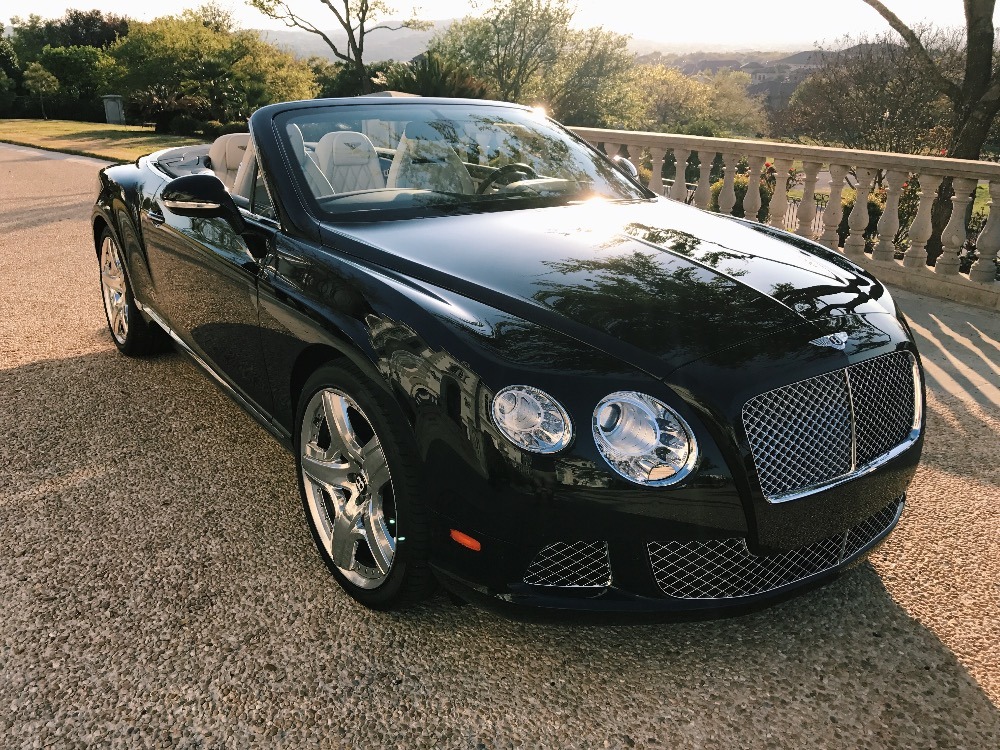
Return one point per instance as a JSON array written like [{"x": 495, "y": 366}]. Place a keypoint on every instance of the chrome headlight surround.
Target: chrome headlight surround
[
  {"x": 531, "y": 419},
  {"x": 643, "y": 439}
]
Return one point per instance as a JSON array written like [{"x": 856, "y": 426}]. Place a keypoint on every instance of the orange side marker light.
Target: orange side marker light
[{"x": 465, "y": 540}]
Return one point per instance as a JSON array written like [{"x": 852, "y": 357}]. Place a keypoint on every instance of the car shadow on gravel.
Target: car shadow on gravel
[{"x": 158, "y": 574}]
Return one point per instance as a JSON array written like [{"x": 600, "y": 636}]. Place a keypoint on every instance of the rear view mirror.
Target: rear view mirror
[{"x": 202, "y": 195}]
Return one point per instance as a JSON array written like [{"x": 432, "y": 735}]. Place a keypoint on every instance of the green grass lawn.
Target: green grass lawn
[{"x": 112, "y": 142}]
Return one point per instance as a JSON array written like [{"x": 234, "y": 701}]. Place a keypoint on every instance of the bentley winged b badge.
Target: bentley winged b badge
[{"x": 834, "y": 340}]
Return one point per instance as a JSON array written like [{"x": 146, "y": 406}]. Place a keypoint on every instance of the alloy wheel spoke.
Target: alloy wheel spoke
[
  {"x": 113, "y": 281},
  {"x": 345, "y": 538},
  {"x": 342, "y": 432},
  {"x": 379, "y": 540},
  {"x": 374, "y": 465},
  {"x": 329, "y": 473}
]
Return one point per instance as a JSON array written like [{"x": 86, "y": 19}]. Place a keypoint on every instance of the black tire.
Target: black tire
[
  {"x": 409, "y": 579},
  {"x": 139, "y": 336}
]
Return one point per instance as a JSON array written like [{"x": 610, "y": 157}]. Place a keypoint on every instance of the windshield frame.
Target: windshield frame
[{"x": 444, "y": 207}]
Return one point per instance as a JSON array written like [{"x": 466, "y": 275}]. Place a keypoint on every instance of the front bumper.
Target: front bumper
[{"x": 694, "y": 578}]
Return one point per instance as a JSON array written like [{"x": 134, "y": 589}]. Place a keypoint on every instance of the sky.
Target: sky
[{"x": 743, "y": 24}]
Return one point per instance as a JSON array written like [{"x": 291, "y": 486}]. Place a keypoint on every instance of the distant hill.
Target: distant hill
[{"x": 406, "y": 44}]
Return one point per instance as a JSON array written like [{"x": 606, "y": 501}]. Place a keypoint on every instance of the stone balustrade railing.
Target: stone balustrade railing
[{"x": 978, "y": 286}]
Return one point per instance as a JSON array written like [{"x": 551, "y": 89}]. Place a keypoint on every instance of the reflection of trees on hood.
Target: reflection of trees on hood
[{"x": 628, "y": 294}]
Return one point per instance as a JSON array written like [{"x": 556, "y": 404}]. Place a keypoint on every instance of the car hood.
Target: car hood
[{"x": 656, "y": 283}]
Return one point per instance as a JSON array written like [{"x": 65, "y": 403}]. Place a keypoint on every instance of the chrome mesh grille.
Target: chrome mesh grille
[
  {"x": 830, "y": 426},
  {"x": 726, "y": 569},
  {"x": 869, "y": 529},
  {"x": 882, "y": 389},
  {"x": 571, "y": 564},
  {"x": 802, "y": 433}
]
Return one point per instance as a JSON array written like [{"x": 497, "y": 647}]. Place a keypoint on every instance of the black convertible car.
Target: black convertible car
[{"x": 503, "y": 364}]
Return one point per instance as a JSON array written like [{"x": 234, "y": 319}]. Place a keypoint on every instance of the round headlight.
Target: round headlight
[
  {"x": 643, "y": 439},
  {"x": 532, "y": 419}
]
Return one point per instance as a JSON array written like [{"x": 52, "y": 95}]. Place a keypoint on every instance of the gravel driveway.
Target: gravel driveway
[{"x": 160, "y": 588}]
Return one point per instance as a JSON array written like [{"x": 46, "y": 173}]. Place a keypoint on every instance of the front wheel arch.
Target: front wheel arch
[{"x": 100, "y": 226}]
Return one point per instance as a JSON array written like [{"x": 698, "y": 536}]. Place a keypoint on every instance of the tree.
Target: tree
[
  {"x": 191, "y": 65},
  {"x": 590, "y": 83},
  {"x": 41, "y": 83},
  {"x": 972, "y": 88},
  {"x": 432, "y": 75},
  {"x": 527, "y": 52},
  {"x": 717, "y": 105},
  {"x": 76, "y": 28},
  {"x": 870, "y": 95},
  {"x": 83, "y": 74},
  {"x": 974, "y": 93},
  {"x": 733, "y": 110},
  {"x": 9, "y": 64},
  {"x": 675, "y": 102},
  {"x": 86, "y": 28},
  {"x": 511, "y": 44},
  {"x": 357, "y": 23}
]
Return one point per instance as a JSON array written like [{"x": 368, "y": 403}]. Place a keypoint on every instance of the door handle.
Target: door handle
[{"x": 155, "y": 217}]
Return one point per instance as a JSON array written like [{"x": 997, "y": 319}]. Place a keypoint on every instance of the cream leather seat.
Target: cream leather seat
[
  {"x": 315, "y": 178},
  {"x": 425, "y": 161},
  {"x": 349, "y": 162},
  {"x": 226, "y": 154}
]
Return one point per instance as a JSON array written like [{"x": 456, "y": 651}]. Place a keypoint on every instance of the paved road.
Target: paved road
[{"x": 160, "y": 588}]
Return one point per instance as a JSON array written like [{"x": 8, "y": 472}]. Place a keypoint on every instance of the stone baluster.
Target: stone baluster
[
  {"x": 859, "y": 218},
  {"x": 657, "y": 155},
  {"x": 727, "y": 196},
  {"x": 954, "y": 235},
  {"x": 888, "y": 225},
  {"x": 611, "y": 149},
  {"x": 779, "y": 200},
  {"x": 834, "y": 210},
  {"x": 703, "y": 195},
  {"x": 920, "y": 230},
  {"x": 751, "y": 201},
  {"x": 984, "y": 270},
  {"x": 678, "y": 191},
  {"x": 807, "y": 208},
  {"x": 635, "y": 156}
]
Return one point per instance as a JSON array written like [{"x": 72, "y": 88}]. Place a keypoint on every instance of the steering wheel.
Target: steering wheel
[{"x": 507, "y": 169}]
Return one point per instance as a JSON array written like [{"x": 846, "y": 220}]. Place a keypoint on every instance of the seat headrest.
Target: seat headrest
[
  {"x": 236, "y": 147},
  {"x": 345, "y": 149}
]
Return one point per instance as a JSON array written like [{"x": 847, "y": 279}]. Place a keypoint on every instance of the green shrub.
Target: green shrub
[
  {"x": 240, "y": 126},
  {"x": 186, "y": 125},
  {"x": 740, "y": 183},
  {"x": 212, "y": 129}
]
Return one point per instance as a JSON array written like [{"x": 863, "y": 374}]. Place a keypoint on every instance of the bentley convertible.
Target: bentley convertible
[{"x": 504, "y": 365}]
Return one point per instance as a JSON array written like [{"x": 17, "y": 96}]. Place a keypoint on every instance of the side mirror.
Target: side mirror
[
  {"x": 627, "y": 167},
  {"x": 202, "y": 195}
]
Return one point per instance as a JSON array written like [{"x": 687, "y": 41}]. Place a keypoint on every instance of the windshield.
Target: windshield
[{"x": 372, "y": 160}]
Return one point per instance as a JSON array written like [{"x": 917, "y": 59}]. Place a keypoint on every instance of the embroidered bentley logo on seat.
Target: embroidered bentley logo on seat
[{"x": 834, "y": 340}]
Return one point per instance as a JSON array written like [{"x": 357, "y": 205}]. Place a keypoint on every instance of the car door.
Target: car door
[{"x": 206, "y": 279}]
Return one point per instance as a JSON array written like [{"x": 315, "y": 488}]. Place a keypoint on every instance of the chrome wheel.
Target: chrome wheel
[
  {"x": 348, "y": 488},
  {"x": 113, "y": 289}
]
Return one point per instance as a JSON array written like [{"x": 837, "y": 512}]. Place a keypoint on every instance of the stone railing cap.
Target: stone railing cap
[{"x": 931, "y": 165}]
